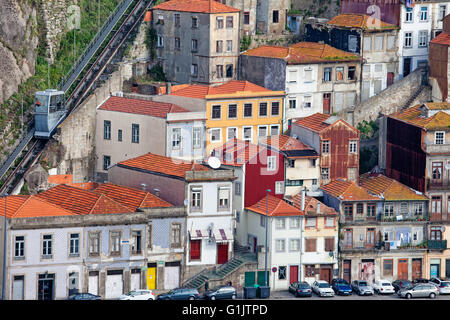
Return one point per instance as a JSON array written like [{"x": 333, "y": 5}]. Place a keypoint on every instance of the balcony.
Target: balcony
[
  {"x": 437, "y": 244},
  {"x": 437, "y": 148}
]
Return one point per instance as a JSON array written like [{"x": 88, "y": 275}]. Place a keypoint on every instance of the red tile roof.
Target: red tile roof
[
  {"x": 202, "y": 6},
  {"x": 60, "y": 179},
  {"x": 413, "y": 115},
  {"x": 442, "y": 38},
  {"x": 148, "y": 16},
  {"x": 285, "y": 143},
  {"x": 276, "y": 206},
  {"x": 156, "y": 163},
  {"x": 201, "y": 91},
  {"x": 241, "y": 151},
  {"x": 360, "y": 21},
  {"x": 348, "y": 191},
  {"x": 314, "y": 122},
  {"x": 303, "y": 52},
  {"x": 31, "y": 206},
  {"x": 311, "y": 205},
  {"x": 131, "y": 197},
  {"x": 138, "y": 106}
]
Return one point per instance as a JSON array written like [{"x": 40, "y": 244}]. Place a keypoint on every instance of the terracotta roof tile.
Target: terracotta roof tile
[
  {"x": 276, "y": 206},
  {"x": 303, "y": 52},
  {"x": 156, "y": 163},
  {"x": 348, "y": 191},
  {"x": 148, "y": 16},
  {"x": 442, "y": 38},
  {"x": 241, "y": 151},
  {"x": 60, "y": 179},
  {"x": 203, "y": 6},
  {"x": 13, "y": 203},
  {"x": 360, "y": 21},
  {"x": 314, "y": 122},
  {"x": 413, "y": 115},
  {"x": 131, "y": 197},
  {"x": 138, "y": 106},
  {"x": 285, "y": 143},
  {"x": 31, "y": 206},
  {"x": 311, "y": 205}
]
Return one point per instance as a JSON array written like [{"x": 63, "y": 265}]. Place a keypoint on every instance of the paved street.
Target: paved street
[{"x": 288, "y": 296}]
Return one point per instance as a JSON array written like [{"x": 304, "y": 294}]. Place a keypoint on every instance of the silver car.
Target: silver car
[
  {"x": 421, "y": 290},
  {"x": 362, "y": 288},
  {"x": 442, "y": 285}
]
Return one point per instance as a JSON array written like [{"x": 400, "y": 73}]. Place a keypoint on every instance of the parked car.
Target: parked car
[
  {"x": 419, "y": 290},
  {"x": 420, "y": 280},
  {"x": 401, "y": 284},
  {"x": 442, "y": 285},
  {"x": 383, "y": 287},
  {"x": 300, "y": 289},
  {"x": 341, "y": 287},
  {"x": 362, "y": 287},
  {"x": 220, "y": 292},
  {"x": 84, "y": 296},
  {"x": 322, "y": 289},
  {"x": 179, "y": 294},
  {"x": 140, "y": 294}
]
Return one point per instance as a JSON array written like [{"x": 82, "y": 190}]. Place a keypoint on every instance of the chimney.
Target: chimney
[
  {"x": 168, "y": 88},
  {"x": 156, "y": 190},
  {"x": 318, "y": 207},
  {"x": 303, "y": 200}
]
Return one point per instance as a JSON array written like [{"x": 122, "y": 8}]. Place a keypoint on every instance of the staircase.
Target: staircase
[{"x": 413, "y": 97}]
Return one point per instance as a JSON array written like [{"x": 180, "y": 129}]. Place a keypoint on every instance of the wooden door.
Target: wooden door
[
  {"x": 293, "y": 274},
  {"x": 416, "y": 269},
  {"x": 347, "y": 270},
  {"x": 402, "y": 269},
  {"x": 222, "y": 253},
  {"x": 348, "y": 239},
  {"x": 390, "y": 78},
  {"x": 325, "y": 274},
  {"x": 326, "y": 103},
  {"x": 370, "y": 238},
  {"x": 406, "y": 66}
]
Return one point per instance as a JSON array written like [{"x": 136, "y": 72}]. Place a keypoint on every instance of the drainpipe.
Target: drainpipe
[{"x": 300, "y": 268}]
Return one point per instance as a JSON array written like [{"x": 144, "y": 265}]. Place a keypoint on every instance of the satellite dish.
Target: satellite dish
[
  {"x": 214, "y": 162},
  {"x": 442, "y": 229}
]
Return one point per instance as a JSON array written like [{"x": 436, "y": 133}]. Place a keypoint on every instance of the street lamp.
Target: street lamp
[
  {"x": 4, "y": 254},
  {"x": 265, "y": 251}
]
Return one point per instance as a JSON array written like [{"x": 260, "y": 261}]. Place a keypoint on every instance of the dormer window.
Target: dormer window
[{"x": 439, "y": 137}]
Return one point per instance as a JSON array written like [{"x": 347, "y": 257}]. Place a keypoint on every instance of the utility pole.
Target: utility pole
[
  {"x": 265, "y": 251},
  {"x": 5, "y": 225}
]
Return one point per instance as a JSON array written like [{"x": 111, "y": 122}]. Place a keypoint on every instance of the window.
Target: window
[
  {"x": 379, "y": 43},
  {"x": 280, "y": 223},
  {"x": 47, "y": 246},
  {"x": 310, "y": 245},
  {"x": 329, "y": 244},
  {"x": 248, "y": 110},
  {"x": 246, "y": 17},
  {"x": 408, "y": 40},
  {"x": 389, "y": 210},
  {"x": 229, "y": 22},
  {"x": 119, "y": 135},
  {"x": 229, "y": 70},
  {"x": 232, "y": 111},
  {"x": 294, "y": 244},
  {"x": 107, "y": 130},
  {"x": 423, "y": 13},
  {"x": 359, "y": 208},
  {"x": 262, "y": 221},
  {"x": 292, "y": 76},
  {"x": 388, "y": 267},
  {"x": 196, "y": 199},
  {"x": 229, "y": 45},
  {"x": 195, "y": 246},
  {"x": 94, "y": 243},
  {"x": 290, "y": 163},
  {"x": 307, "y": 101},
  {"x": 292, "y": 103},
  {"x": 279, "y": 187},
  {"x": 216, "y": 112},
  {"x": 271, "y": 163},
  {"x": 160, "y": 41},
  {"x": 224, "y": 198},
  {"x": 423, "y": 38},
  {"x": 219, "y": 46},
  {"x": 219, "y": 23},
  {"x": 310, "y": 270},
  {"x": 371, "y": 210},
  {"x": 282, "y": 273},
  {"x": 197, "y": 137},
  {"x": 408, "y": 15},
  {"x": 436, "y": 168},
  {"x": 175, "y": 235},
  {"x": 294, "y": 223},
  {"x": 262, "y": 131},
  {"x": 114, "y": 246},
  {"x": 351, "y": 74},
  {"x": 176, "y": 138},
  {"x": 194, "y": 45},
  {"x": 216, "y": 135},
  {"x": 231, "y": 133},
  {"x": 194, "y": 70},
  {"x": 353, "y": 146},
  {"x": 219, "y": 71},
  {"x": 313, "y": 163},
  {"x": 308, "y": 75},
  {"x": 177, "y": 43},
  {"x": 326, "y": 146},
  {"x": 74, "y": 247},
  {"x": 436, "y": 204},
  {"x": 194, "y": 22},
  {"x": 378, "y": 67},
  {"x": 339, "y": 73},
  {"x": 390, "y": 42},
  {"x": 106, "y": 162},
  {"x": 247, "y": 133},
  {"x": 136, "y": 242},
  {"x": 352, "y": 43},
  {"x": 442, "y": 11},
  {"x": 439, "y": 137},
  {"x": 348, "y": 211},
  {"x": 326, "y": 74},
  {"x": 329, "y": 222},
  {"x": 275, "y": 16},
  {"x": 367, "y": 43},
  {"x": 325, "y": 173},
  {"x": 417, "y": 209},
  {"x": 435, "y": 233},
  {"x": 311, "y": 222},
  {"x": 177, "y": 19},
  {"x": 280, "y": 245},
  {"x": 275, "y": 108},
  {"x": 19, "y": 247},
  {"x": 237, "y": 188}
]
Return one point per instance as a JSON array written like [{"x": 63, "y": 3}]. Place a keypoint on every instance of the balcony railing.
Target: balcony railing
[
  {"x": 437, "y": 244},
  {"x": 437, "y": 148}
]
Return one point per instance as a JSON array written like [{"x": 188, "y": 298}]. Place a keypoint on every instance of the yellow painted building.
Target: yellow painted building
[{"x": 236, "y": 109}]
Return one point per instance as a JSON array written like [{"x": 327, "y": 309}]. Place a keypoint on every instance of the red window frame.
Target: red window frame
[{"x": 195, "y": 249}]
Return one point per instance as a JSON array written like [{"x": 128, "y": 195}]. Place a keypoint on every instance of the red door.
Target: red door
[
  {"x": 293, "y": 274},
  {"x": 222, "y": 253},
  {"x": 390, "y": 78},
  {"x": 326, "y": 103},
  {"x": 416, "y": 269},
  {"x": 402, "y": 270},
  {"x": 348, "y": 270}
]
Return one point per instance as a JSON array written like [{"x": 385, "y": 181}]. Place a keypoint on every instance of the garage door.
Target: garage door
[
  {"x": 171, "y": 276},
  {"x": 135, "y": 279},
  {"x": 114, "y": 284},
  {"x": 93, "y": 282}
]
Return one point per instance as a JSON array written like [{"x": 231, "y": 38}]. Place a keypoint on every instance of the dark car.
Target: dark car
[
  {"x": 341, "y": 287},
  {"x": 300, "y": 289},
  {"x": 180, "y": 294},
  {"x": 84, "y": 296},
  {"x": 400, "y": 284},
  {"x": 220, "y": 292},
  {"x": 420, "y": 280}
]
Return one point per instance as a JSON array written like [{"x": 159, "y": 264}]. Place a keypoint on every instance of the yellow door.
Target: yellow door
[{"x": 151, "y": 278}]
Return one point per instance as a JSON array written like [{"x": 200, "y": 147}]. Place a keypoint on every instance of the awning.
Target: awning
[
  {"x": 198, "y": 234},
  {"x": 223, "y": 235}
]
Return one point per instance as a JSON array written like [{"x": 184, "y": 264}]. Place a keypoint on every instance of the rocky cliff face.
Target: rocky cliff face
[{"x": 18, "y": 43}]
